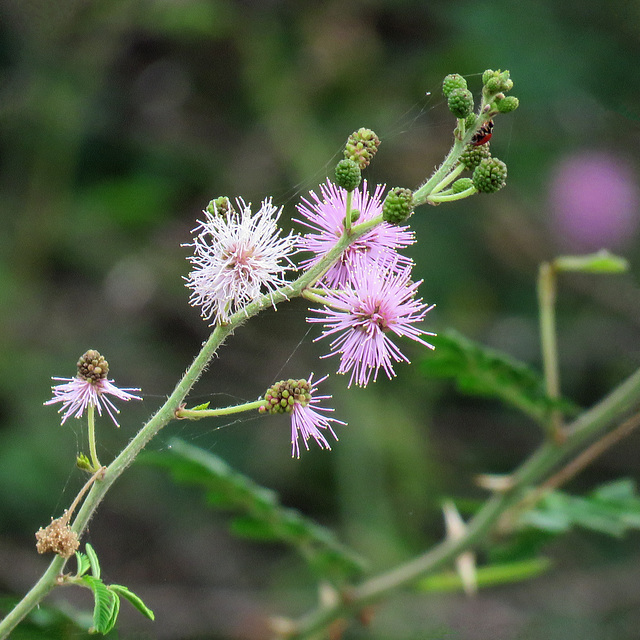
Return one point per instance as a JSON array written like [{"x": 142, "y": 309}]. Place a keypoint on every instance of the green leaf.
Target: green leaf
[
  {"x": 135, "y": 600},
  {"x": 600, "y": 262},
  {"x": 83, "y": 564},
  {"x": 250, "y": 527},
  {"x": 201, "y": 407},
  {"x": 83, "y": 462},
  {"x": 114, "y": 615},
  {"x": 612, "y": 509},
  {"x": 93, "y": 560},
  {"x": 257, "y": 510},
  {"x": 481, "y": 371},
  {"x": 489, "y": 576},
  {"x": 104, "y": 603}
]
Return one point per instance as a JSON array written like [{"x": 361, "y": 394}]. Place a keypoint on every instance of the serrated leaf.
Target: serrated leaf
[
  {"x": 83, "y": 563},
  {"x": 104, "y": 603},
  {"x": 93, "y": 560},
  {"x": 481, "y": 371},
  {"x": 258, "y": 512},
  {"x": 134, "y": 599}
]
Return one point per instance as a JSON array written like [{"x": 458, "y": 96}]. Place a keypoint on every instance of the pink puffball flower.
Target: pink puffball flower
[
  {"x": 594, "y": 201},
  {"x": 324, "y": 216},
  {"x": 89, "y": 388},
  {"x": 299, "y": 399},
  {"x": 363, "y": 315},
  {"x": 237, "y": 256}
]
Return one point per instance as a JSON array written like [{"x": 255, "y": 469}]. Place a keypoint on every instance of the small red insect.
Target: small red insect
[{"x": 483, "y": 134}]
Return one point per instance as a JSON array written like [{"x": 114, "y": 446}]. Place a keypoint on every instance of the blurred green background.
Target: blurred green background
[{"x": 120, "y": 120}]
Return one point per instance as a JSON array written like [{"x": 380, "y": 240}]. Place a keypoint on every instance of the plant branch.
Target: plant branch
[
  {"x": 533, "y": 471},
  {"x": 548, "y": 340},
  {"x": 167, "y": 412}
]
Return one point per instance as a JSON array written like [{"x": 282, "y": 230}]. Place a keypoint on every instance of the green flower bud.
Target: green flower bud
[
  {"x": 472, "y": 156},
  {"x": 83, "y": 463},
  {"x": 470, "y": 121},
  {"x": 283, "y": 395},
  {"x": 361, "y": 147},
  {"x": 92, "y": 367},
  {"x": 348, "y": 174},
  {"x": 461, "y": 185},
  {"x": 398, "y": 205},
  {"x": 496, "y": 82},
  {"x": 493, "y": 86},
  {"x": 508, "y": 104},
  {"x": 490, "y": 175},
  {"x": 460, "y": 102},
  {"x": 451, "y": 82},
  {"x": 489, "y": 73},
  {"x": 220, "y": 206}
]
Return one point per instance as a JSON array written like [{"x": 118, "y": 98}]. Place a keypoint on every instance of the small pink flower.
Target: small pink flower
[
  {"x": 298, "y": 398},
  {"x": 236, "y": 257},
  {"x": 89, "y": 388},
  {"x": 325, "y": 214},
  {"x": 376, "y": 304}
]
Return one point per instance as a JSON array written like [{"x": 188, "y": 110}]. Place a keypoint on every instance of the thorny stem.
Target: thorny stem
[
  {"x": 583, "y": 459},
  {"x": 538, "y": 466}
]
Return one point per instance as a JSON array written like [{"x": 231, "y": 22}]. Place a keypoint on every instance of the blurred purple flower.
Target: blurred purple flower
[
  {"x": 594, "y": 201},
  {"x": 324, "y": 215}
]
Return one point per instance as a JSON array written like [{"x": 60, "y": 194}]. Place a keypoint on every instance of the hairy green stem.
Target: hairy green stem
[
  {"x": 449, "y": 196},
  {"x": 198, "y": 414},
  {"x": 586, "y": 427},
  {"x": 348, "y": 223},
  {"x": 91, "y": 422},
  {"x": 448, "y": 179},
  {"x": 441, "y": 175}
]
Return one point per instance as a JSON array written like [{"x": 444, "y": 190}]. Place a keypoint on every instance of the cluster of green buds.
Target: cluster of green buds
[
  {"x": 220, "y": 206},
  {"x": 283, "y": 396},
  {"x": 489, "y": 173},
  {"x": 459, "y": 98},
  {"x": 92, "y": 367},
  {"x": 470, "y": 152},
  {"x": 398, "y": 205},
  {"x": 495, "y": 85},
  {"x": 359, "y": 150}
]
